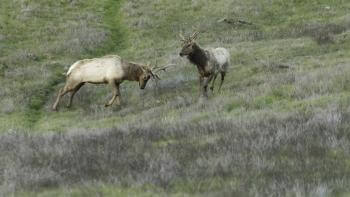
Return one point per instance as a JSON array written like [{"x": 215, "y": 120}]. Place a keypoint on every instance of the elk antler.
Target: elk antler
[
  {"x": 194, "y": 36},
  {"x": 154, "y": 76},
  {"x": 150, "y": 70},
  {"x": 182, "y": 38},
  {"x": 158, "y": 69}
]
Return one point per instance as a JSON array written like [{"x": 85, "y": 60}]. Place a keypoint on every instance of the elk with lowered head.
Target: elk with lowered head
[
  {"x": 111, "y": 70},
  {"x": 209, "y": 62}
]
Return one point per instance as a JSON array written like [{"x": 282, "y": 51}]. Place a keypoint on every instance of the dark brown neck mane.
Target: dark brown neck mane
[
  {"x": 133, "y": 71},
  {"x": 198, "y": 56}
]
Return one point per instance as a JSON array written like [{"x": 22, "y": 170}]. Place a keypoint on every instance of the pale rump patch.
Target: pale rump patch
[
  {"x": 72, "y": 67},
  {"x": 222, "y": 55}
]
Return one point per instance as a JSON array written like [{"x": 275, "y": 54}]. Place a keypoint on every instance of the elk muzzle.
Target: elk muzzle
[{"x": 142, "y": 84}]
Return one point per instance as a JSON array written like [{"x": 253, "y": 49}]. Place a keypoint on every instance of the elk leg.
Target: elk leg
[
  {"x": 118, "y": 95},
  {"x": 212, "y": 85},
  {"x": 75, "y": 90},
  {"x": 115, "y": 94},
  {"x": 222, "y": 80},
  {"x": 61, "y": 93},
  {"x": 205, "y": 87},
  {"x": 201, "y": 78}
]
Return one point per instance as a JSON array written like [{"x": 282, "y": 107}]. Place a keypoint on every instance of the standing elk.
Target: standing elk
[
  {"x": 111, "y": 70},
  {"x": 209, "y": 62}
]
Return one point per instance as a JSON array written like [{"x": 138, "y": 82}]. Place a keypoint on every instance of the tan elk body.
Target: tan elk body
[
  {"x": 209, "y": 62},
  {"x": 111, "y": 70}
]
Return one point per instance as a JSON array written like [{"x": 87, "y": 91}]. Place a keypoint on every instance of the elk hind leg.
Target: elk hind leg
[
  {"x": 222, "y": 79},
  {"x": 61, "y": 93},
  {"x": 212, "y": 84}
]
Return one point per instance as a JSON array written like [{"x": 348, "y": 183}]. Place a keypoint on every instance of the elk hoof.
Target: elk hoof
[
  {"x": 212, "y": 88},
  {"x": 107, "y": 105}
]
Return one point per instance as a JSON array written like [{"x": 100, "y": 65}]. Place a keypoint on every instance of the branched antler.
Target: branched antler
[
  {"x": 182, "y": 38},
  {"x": 194, "y": 36},
  {"x": 157, "y": 69},
  {"x": 189, "y": 39},
  {"x": 163, "y": 68}
]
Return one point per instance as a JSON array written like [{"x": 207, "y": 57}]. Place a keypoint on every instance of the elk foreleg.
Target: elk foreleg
[
  {"x": 115, "y": 93},
  {"x": 201, "y": 79},
  {"x": 205, "y": 85}
]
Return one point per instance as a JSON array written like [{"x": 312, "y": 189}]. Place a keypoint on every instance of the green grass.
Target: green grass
[{"x": 95, "y": 191}]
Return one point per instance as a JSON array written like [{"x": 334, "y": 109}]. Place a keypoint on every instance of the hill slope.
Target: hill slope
[{"x": 280, "y": 125}]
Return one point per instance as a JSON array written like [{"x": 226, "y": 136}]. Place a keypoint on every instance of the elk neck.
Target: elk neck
[
  {"x": 198, "y": 56},
  {"x": 134, "y": 71}
]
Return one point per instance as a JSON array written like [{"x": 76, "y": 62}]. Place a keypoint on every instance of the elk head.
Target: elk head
[
  {"x": 149, "y": 73},
  {"x": 145, "y": 76},
  {"x": 189, "y": 44}
]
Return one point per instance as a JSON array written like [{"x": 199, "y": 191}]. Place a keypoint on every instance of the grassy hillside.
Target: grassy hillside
[{"x": 280, "y": 125}]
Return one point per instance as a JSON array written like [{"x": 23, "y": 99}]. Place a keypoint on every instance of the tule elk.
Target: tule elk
[
  {"x": 209, "y": 62},
  {"x": 111, "y": 70}
]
